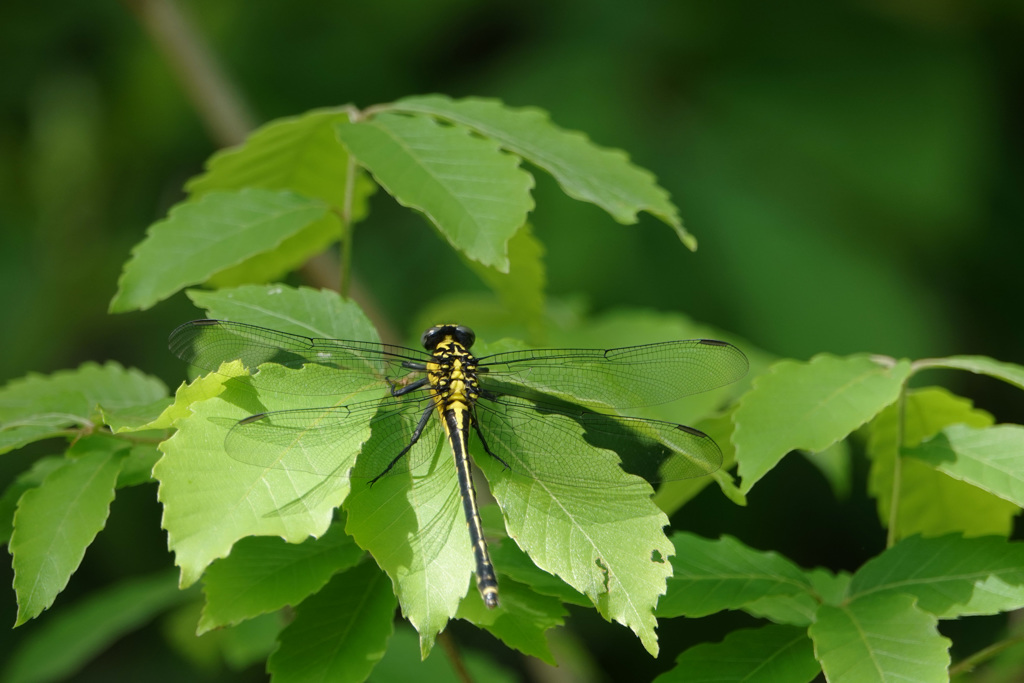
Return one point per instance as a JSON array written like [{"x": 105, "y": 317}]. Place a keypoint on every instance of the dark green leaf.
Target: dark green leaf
[
  {"x": 950, "y": 576},
  {"x": 770, "y": 654},
  {"x": 323, "y": 313},
  {"x": 201, "y": 239},
  {"x": 80, "y": 632},
  {"x": 265, "y": 574},
  {"x": 340, "y": 633},
  {"x": 57, "y": 520},
  {"x": 710, "y": 576},
  {"x": 29, "y": 479},
  {"x": 522, "y": 620},
  {"x": 38, "y": 407},
  {"x": 880, "y": 638}
]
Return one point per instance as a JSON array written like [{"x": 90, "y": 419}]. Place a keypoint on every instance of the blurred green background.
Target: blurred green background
[{"x": 853, "y": 171}]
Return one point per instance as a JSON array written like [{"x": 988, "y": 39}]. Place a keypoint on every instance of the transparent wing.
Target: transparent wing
[
  {"x": 326, "y": 441},
  {"x": 628, "y": 377},
  {"x": 208, "y": 343},
  {"x": 555, "y": 443}
]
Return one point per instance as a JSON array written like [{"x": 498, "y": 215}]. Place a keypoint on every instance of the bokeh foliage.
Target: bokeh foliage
[{"x": 852, "y": 172}]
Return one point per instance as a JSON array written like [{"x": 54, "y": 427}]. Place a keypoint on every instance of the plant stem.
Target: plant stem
[
  {"x": 897, "y": 468},
  {"x": 968, "y": 664},
  {"x": 452, "y": 652},
  {"x": 221, "y": 109},
  {"x": 346, "y": 226}
]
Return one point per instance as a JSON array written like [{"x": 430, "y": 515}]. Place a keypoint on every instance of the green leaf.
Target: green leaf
[
  {"x": 809, "y": 406},
  {"x": 930, "y": 502},
  {"x": 298, "y": 153},
  {"x": 674, "y": 494},
  {"x": 521, "y": 622},
  {"x": 340, "y": 633},
  {"x": 800, "y": 609},
  {"x": 476, "y": 195},
  {"x": 76, "y": 634},
  {"x": 585, "y": 171},
  {"x": 134, "y": 418},
  {"x": 765, "y": 655},
  {"x": 950, "y": 576},
  {"x": 137, "y": 467},
  {"x": 415, "y": 530},
  {"x": 510, "y": 560},
  {"x": 988, "y": 458},
  {"x": 880, "y": 638},
  {"x": 521, "y": 289},
  {"x": 56, "y": 521},
  {"x": 29, "y": 479},
  {"x": 252, "y": 641},
  {"x": 201, "y": 389},
  {"x": 608, "y": 543},
  {"x": 201, "y": 239},
  {"x": 212, "y": 500},
  {"x": 265, "y": 574},
  {"x": 711, "y": 576},
  {"x": 37, "y": 407},
  {"x": 299, "y": 310},
  {"x": 981, "y": 365},
  {"x": 835, "y": 465}
]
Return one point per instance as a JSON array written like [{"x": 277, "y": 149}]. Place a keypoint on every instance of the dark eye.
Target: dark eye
[
  {"x": 465, "y": 336},
  {"x": 431, "y": 337}
]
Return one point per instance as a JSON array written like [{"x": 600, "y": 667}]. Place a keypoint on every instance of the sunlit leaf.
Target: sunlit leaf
[
  {"x": 809, "y": 406},
  {"x": 930, "y": 502},
  {"x": 475, "y": 194},
  {"x": 586, "y": 171},
  {"x": 983, "y": 365},
  {"x": 212, "y": 500},
  {"x": 415, "y": 529},
  {"x": 989, "y": 458},
  {"x": 608, "y": 543}
]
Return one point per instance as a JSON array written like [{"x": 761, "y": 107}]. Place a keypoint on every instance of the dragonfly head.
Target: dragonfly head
[{"x": 461, "y": 334}]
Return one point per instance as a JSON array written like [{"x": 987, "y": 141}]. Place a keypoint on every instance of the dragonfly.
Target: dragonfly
[{"x": 538, "y": 413}]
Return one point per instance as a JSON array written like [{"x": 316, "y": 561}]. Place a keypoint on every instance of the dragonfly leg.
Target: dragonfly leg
[
  {"x": 483, "y": 442},
  {"x": 412, "y": 442},
  {"x": 397, "y": 390}
]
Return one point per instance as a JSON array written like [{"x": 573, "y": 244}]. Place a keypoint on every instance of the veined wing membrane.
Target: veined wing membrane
[
  {"x": 361, "y": 365},
  {"x": 629, "y": 377},
  {"x": 544, "y": 441},
  {"x": 325, "y": 441}
]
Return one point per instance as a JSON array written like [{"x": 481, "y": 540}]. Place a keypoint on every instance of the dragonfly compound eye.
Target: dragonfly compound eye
[
  {"x": 431, "y": 337},
  {"x": 464, "y": 336}
]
